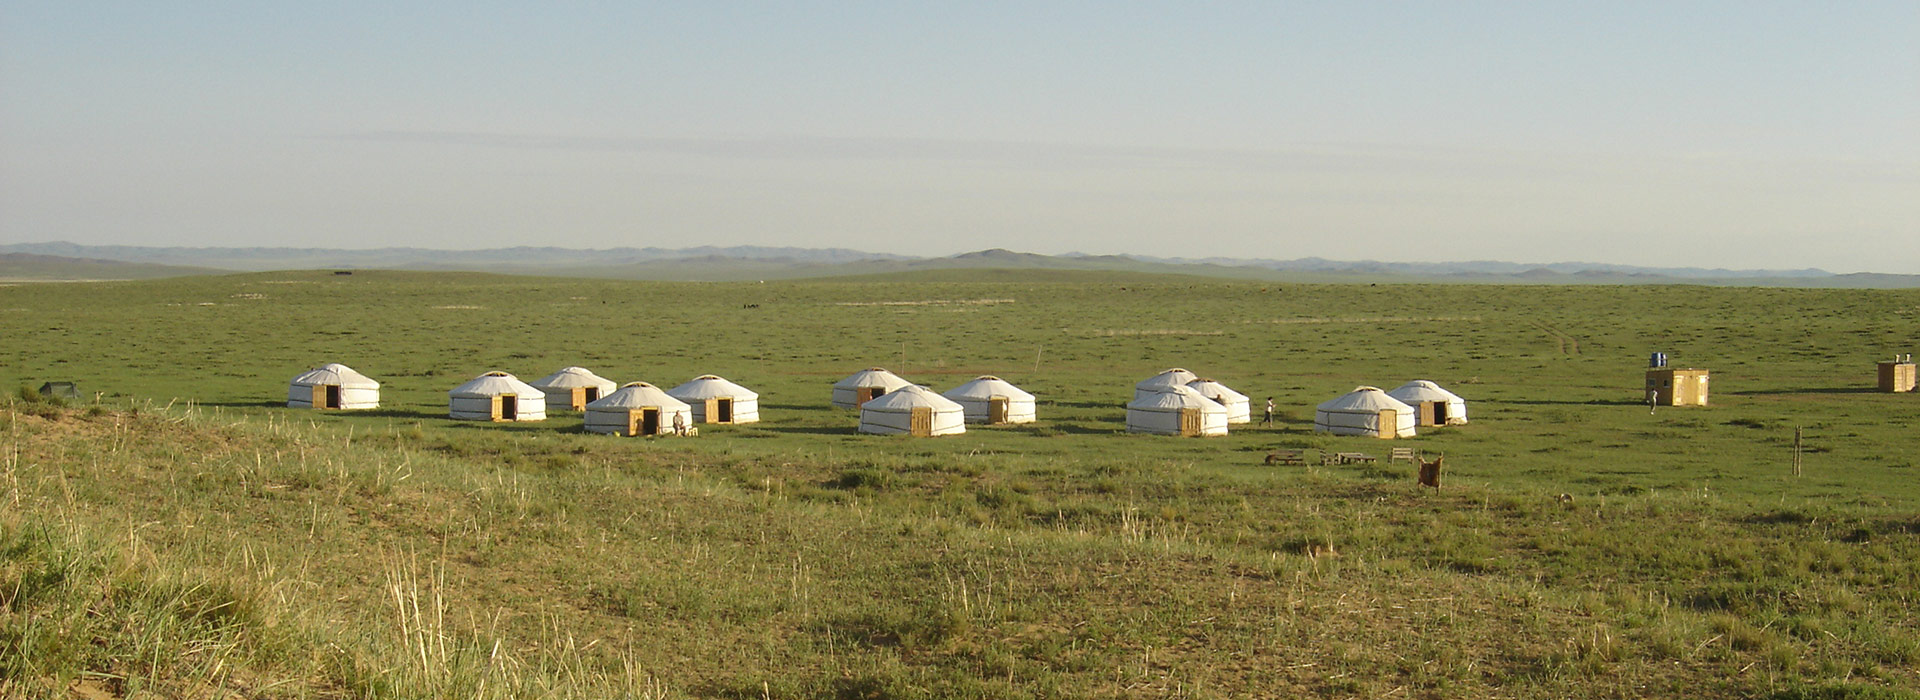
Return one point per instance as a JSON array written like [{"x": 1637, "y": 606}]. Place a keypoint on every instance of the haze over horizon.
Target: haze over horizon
[{"x": 1743, "y": 135}]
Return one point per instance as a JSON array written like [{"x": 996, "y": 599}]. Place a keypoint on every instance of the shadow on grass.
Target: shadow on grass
[
  {"x": 1072, "y": 428},
  {"x": 1808, "y": 390},
  {"x": 545, "y": 426},
  {"x": 1551, "y": 402},
  {"x": 813, "y": 430},
  {"x": 354, "y": 413},
  {"x": 394, "y": 413},
  {"x": 822, "y": 407},
  {"x": 252, "y": 404}
]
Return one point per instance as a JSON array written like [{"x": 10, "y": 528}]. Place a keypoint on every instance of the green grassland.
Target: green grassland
[{"x": 179, "y": 533}]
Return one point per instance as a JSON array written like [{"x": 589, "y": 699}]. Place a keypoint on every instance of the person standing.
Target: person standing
[{"x": 1269, "y": 420}]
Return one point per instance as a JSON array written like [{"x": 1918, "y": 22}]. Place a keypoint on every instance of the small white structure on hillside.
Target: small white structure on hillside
[
  {"x": 1176, "y": 410},
  {"x": 638, "y": 408},
  {"x": 993, "y": 401},
  {"x": 1171, "y": 377},
  {"x": 912, "y": 410},
  {"x": 1239, "y": 409},
  {"x": 1433, "y": 405},
  {"x": 865, "y": 385},
  {"x": 1365, "y": 411},
  {"x": 497, "y": 396},
  {"x": 572, "y": 388},
  {"x": 716, "y": 400},
  {"x": 333, "y": 386}
]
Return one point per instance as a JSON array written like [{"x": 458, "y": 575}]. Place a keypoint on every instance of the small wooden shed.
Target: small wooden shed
[
  {"x": 1667, "y": 386},
  {"x": 1897, "y": 376}
]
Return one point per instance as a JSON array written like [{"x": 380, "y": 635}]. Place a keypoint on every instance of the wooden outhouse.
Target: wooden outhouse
[
  {"x": 1897, "y": 377},
  {"x": 1676, "y": 387}
]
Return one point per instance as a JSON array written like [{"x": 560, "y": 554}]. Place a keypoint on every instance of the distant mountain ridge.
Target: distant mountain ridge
[
  {"x": 279, "y": 258},
  {"x": 34, "y": 267},
  {"x": 721, "y": 263},
  {"x": 1494, "y": 267}
]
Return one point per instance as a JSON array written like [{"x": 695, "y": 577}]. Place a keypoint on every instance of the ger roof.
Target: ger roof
[
  {"x": 1423, "y": 390},
  {"x": 710, "y": 386},
  {"x": 987, "y": 386},
  {"x": 572, "y": 377},
  {"x": 871, "y": 377},
  {"x": 335, "y": 373},
  {"x": 1173, "y": 398},
  {"x": 1172, "y": 377},
  {"x": 907, "y": 397},
  {"x": 495, "y": 384},
  {"x": 1363, "y": 399},
  {"x": 1210, "y": 388},
  {"x": 637, "y": 395}
]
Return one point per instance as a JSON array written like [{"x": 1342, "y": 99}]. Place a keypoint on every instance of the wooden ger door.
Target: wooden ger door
[{"x": 1190, "y": 424}]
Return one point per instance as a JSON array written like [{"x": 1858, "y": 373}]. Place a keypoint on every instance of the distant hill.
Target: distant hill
[
  {"x": 713, "y": 263},
  {"x": 49, "y": 268},
  {"x": 1499, "y": 268},
  {"x": 256, "y": 259}
]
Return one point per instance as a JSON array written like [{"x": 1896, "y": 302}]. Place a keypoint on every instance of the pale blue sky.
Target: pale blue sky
[{"x": 1722, "y": 134}]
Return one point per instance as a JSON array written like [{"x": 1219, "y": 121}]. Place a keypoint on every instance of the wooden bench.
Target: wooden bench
[
  {"x": 1403, "y": 454},
  {"x": 1356, "y": 458},
  {"x": 1287, "y": 457}
]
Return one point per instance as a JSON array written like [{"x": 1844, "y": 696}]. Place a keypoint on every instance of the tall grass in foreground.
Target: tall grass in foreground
[{"x": 92, "y": 601}]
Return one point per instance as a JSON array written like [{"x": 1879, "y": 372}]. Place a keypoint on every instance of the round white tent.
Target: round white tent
[
  {"x": 333, "y": 385},
  {"x": 638, "y": 408},
  {"x": 1158, "y": 382},
  {"x": 1239, "y": 409},
  {"x": 992, "y": 400},
  {"x": 1364, "y": 411},
  {"x": 1176, "y": 410},
  {"x": 912, "y": 410},
  {"x": 865, "y": 385},
  {"x": 1434, "y": 405},
  {"x": 497, "y": 396},
  {"x": 716, "y": 400},
  {"x": 572, "y": 388}
]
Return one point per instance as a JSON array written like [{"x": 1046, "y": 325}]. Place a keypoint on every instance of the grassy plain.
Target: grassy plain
[{"x": 203, "y": 540}]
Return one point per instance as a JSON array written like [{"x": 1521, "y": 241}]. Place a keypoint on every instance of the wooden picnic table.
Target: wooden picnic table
[{"x": 1355, "y": 457}]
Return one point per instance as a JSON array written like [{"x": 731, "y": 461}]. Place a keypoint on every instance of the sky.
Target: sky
[{"x": 1743, "y": 134}]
